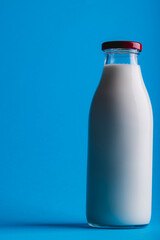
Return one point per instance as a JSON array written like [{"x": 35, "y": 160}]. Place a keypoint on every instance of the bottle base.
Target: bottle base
[{"x": 117, "y": 226}]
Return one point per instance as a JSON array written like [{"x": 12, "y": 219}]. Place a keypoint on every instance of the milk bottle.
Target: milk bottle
[{"x": 119, "y": 173}]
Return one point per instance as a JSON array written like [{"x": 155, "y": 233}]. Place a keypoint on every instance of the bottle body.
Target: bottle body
[{"x": 119, "y": 174}]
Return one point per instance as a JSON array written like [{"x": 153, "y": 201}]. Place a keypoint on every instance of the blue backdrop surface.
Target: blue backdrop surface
[{"x": 50, "y": 65}]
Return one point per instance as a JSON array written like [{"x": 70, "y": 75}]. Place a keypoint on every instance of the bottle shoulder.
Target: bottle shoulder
[{"x": 123, "y": 88}]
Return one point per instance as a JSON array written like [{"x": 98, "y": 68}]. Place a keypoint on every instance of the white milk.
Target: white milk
[{"x": 120, "y": 150}]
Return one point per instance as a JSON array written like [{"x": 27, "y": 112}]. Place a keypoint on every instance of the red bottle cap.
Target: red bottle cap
[{"x": 122, "y": 44}]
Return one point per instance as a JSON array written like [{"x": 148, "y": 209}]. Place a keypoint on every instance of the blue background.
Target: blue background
[{"x": 50, "y": 65}]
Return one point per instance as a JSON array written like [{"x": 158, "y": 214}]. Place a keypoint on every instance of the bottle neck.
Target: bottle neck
[{"x": 121, "y": 56}]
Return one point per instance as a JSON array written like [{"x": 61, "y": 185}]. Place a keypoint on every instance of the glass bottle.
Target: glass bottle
[{"x": 119, "y": 172}]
